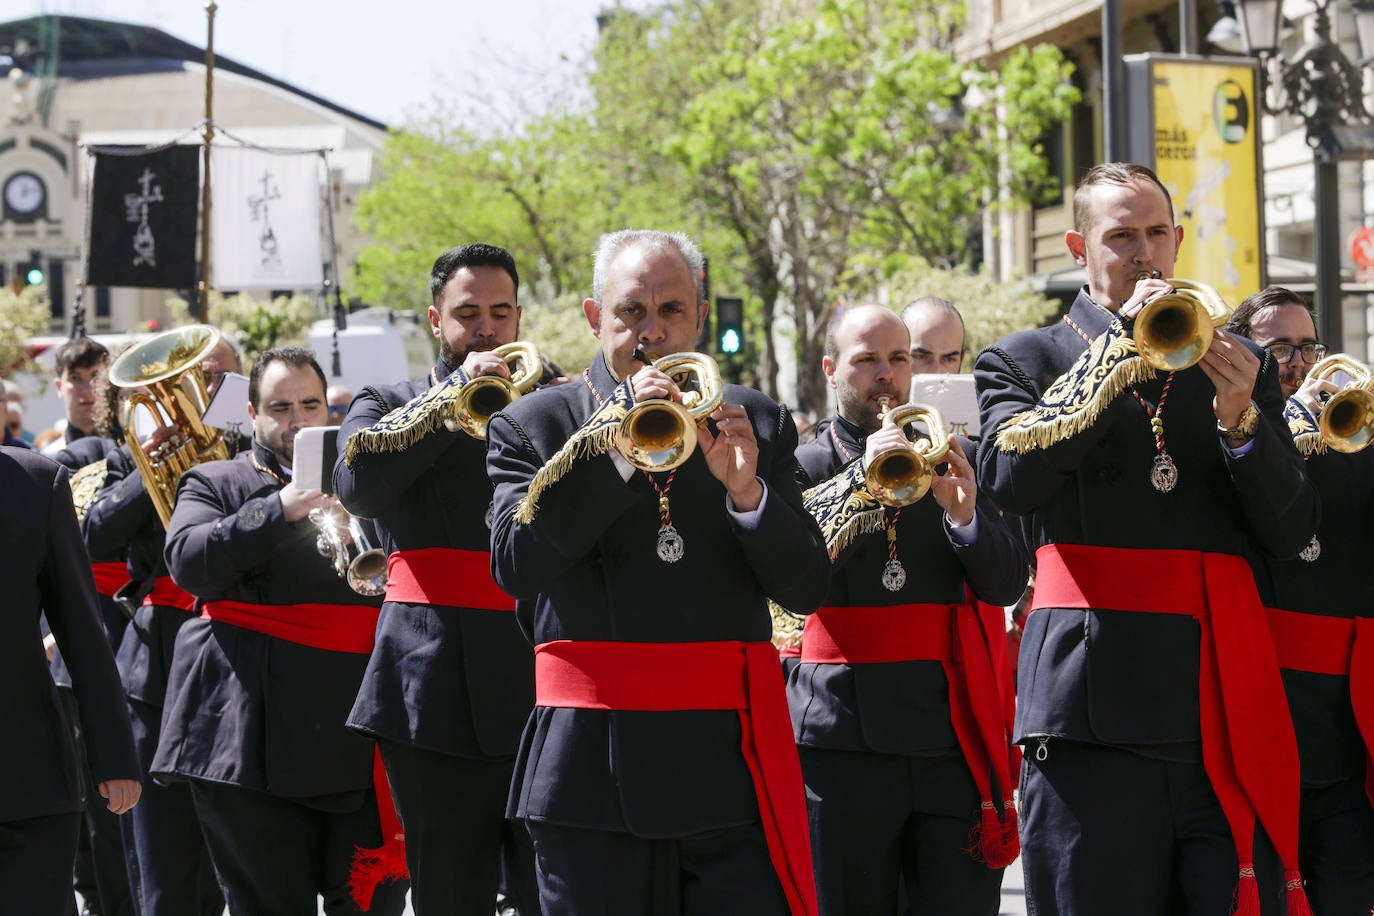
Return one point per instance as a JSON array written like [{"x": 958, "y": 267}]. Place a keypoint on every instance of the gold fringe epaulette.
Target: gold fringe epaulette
[
  {"x": 787, "y": 627},
  {"x": 1306, "y": 436},
  {"x": 408, "y": 424},
  {"x": 86, "y": 486},
  {"x": 843, "y": 508},
  {"x": 596, "y": 437},
  {"x": 1077, "y": 398}
]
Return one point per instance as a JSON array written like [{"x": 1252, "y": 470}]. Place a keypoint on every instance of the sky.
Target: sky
[{"x": 386, "y": 60}]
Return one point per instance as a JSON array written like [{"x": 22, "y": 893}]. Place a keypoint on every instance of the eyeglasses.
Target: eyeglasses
[
  {"x": 1311, "y": 352},
  {"x": 338, "y": 413}
]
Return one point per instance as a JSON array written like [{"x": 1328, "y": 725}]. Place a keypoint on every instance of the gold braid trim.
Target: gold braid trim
[
  {"x": 408, "y": 424},
  {"x": 86, "y": 486},
  {"x": 843, "y": 508},
  {"x": 787, "y": 627},
  {"x": 1306, "y": 436},
  {"x": 1077, "y": 398},
  {"x": 596, "y": 437}
]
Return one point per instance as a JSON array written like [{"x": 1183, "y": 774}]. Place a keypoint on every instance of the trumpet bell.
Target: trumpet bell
[
  {"x": 901, "y": 476},
  {"x": 367, "y": 573},
  {"x": 481, "y": 398},
  {"x": 659, "y": 435},
  {"x": 1347, "y": 419},
  {"x": 1173, "y": 331}
]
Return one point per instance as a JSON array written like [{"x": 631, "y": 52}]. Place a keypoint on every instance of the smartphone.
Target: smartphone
[{"x": 313, "y": 463}]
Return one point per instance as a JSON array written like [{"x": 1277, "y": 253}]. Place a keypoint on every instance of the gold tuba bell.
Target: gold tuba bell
[
  {"x": 168, "y": 366},
  {"x": 1174, "y": 330},
  {"x": 659, "y": 435},
  {"x": 1347, "y": 419},
  {"x": 901, "y": 476},
  {"x": 483, "y": 396}
]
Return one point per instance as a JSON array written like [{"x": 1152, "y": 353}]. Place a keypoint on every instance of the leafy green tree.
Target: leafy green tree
[
  {"x": 256, "y": 324},
  {"x": 23, "y": 315}
]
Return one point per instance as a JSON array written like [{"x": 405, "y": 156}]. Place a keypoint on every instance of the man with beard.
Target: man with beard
[
  {"x": 657, "y": 772},
  {"x": 1148, "y": 690},
  {"x": 262, "y": 680},
  {"x": 450, "y": 682},
  {"x": 1321, "y": 613},
  {"x": 897, "y": 669}
]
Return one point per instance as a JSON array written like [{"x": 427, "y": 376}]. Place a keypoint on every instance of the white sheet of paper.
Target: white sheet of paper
[
  {"x": 953, "y": 396},
  {"x": 228, "y": 409}
]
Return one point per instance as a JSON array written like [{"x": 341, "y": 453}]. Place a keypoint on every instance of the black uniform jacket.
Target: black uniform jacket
[
  {"x": 242, "y": 707},
  {"x": 1109, "y": 676},
  {"x": 896, "y": 707},
  {"x": 586, "y": 568},
  {"x": 123, "y": 519},
  {"x": 454, "y": 680},
  {"x": 1336, "y": 584},
  {"x": 46, "y": 570}
]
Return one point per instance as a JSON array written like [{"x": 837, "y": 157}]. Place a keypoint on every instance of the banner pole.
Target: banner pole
[{"x": 208, "y": 132}]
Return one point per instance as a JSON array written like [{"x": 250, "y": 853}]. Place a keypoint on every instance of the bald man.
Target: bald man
[{"x": 937, "y": 336}]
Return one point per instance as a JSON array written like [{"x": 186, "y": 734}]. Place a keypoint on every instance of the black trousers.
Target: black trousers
[
  {"x": 277, "y": 856},
  {"x": 176, "y": 877},
  {"x": 881, "y": 821},
  {"x": 1105, "y": 830},
  {"x": 1336, "y": 849},
  {"x": 453, "y": 810},
  {"x": 594, "y": 872},
  {"x": 36, "y": 858}
]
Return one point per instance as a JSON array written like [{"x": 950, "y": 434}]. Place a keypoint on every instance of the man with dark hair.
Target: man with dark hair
[
  {"x": 904, "y": 738},
  {"x": 77, "y": 362},
  {"x": 262, "y": 679},
  {"x": 451, "y": 681},
  {"x": 937, "y": 336},
  {"x": 1321, "y": 613},
  {"x": 1150, "y": 701},
  {"x": 657, "y": 772}
]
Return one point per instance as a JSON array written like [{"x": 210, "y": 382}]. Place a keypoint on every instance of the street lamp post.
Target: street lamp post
[{"x": 1324, "y": 88}]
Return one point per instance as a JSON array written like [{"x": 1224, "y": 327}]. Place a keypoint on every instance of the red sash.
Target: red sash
[
  {"x": 1248, "y": 746},
  {"x": 335, "y": 628},
  {"x": 1332, "y": 645},
  {"x": 166, "y": 593},
  {"x": 445, "y": 577},
  {"x": 109, "y": 577},
  {"x": 953, "y": 635},
  {"x": 663, "y": 677}
]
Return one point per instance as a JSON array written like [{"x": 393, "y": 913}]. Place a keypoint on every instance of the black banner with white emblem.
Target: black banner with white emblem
[{"x": 143, "y": 218}]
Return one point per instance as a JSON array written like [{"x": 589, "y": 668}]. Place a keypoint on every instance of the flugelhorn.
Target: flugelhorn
[
  {"x": 900, "y": 476},
  {"x": 658, "y": 434},
  {"x": 341, "y": 540},
  {"x": 483, "y": 396},
  {"x": 168, "y": 366},
  {"x": 1347, "y": 419},
  {"x": 1173, "y": 331}
]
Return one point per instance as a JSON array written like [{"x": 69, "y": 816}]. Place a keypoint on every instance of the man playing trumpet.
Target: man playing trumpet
[
  {"x": 1320, "y": 606},
  {"x": 657, "y": 772},
  {"x": 450, "y": 682},
  {"x": 904, "y": 736},
  {"x": 1150, "y": 705}
]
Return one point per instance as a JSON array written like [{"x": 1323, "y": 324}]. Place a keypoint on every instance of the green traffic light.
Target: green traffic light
[
  {"x": 729, "y": 341},
  {"x": 34, "y": 276}
]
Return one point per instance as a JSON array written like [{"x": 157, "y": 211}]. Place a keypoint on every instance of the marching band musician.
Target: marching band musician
[
  {"x": 175, "y": 875},
  {"x": 657, "y": 772},
  {"x": 262, "y": 679},
  {"x": 451, "y": 681},
  {"x": 46, "y": 570},
  {"x": 904, "y": 738},
  {"x": 1321, "y": 612},
  {"x": 1150, "y": 707}
]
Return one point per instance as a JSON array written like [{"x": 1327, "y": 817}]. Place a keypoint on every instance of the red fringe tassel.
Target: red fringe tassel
[
  {"x": 1247, "y": 893},
  {"x": 994, "y": 841},
  {"x": 372, "y": 867},
  {"x": 1297, "y": 897}
]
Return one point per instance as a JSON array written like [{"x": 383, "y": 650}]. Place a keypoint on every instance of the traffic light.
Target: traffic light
[
  {"x": 32, "y": 272},
  {"x": 729, "y": 325}
]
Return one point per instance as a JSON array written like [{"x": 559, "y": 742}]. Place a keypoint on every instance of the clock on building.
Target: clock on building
[{"x": 25, "y": 195}]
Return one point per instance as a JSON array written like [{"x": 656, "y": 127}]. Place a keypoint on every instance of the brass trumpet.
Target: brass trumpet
[
  {"x": 1347, "y": 420},
  {"x": 341, "y": 541},
  {"x": 658, "y": 434},
  {"x": 1174, "y": 330},
  {"x": 901, "y": 476},
  {"x": 168, "y": 366},
  {"x": 483, "y": 396}
]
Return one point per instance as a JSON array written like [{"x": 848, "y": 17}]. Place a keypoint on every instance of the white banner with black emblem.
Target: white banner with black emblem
[{"x": 265, "y": 220}]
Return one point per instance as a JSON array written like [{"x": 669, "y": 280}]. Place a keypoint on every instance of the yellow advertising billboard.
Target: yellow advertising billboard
[{"x": 1206, "y": 146}]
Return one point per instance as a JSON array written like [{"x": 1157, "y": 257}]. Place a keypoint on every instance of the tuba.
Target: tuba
[
  {"x": 1347, "y": 419},
  {"x": 168, "y": 366},
  {"x": 1172, "y": 331},
  {"x": 341, "y": 540},
  {"x": 901, "y": 476},
  {"x": 485, "y": 395},
  {"x": 659, "y": 435}
]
